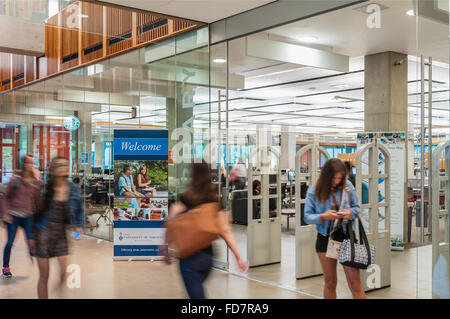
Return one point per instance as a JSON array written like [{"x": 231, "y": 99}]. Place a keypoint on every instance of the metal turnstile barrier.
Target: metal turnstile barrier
[
  {"x": 379, "y": 274},
  {"x": 307, "y": 263},
  {"x": 441, "y": 244},
  {"x": 264, "y": 232}
]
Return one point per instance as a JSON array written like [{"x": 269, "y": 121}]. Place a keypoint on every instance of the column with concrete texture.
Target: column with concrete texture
[
  {"x": 263, "y": 140},
  {"x": 386, "y": 92},
  {"x": 386, "y": 100},
  {"x": 288, "y": 147}
]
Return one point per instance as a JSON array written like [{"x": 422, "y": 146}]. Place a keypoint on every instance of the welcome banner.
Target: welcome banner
[{"x": 141, "y": 192}]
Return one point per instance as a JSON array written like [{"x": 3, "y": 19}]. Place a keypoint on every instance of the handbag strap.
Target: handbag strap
[
  {"x": 363, "y": 238},
  {"x": 335, "y": 224}
]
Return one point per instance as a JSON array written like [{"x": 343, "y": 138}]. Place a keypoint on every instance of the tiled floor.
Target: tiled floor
[
  {"x": 405, "y": 283},
  {"x": 101, "y": 277}
]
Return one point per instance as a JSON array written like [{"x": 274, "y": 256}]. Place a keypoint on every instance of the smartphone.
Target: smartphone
[{"x": 340, "y": 213}]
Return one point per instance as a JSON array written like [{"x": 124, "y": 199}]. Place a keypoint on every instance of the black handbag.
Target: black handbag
[{"x": 356, "y": 255}]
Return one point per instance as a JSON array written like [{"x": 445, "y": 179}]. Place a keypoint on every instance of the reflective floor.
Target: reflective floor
[
  {"x": 101, "y": 277},
  {"x": 404, "y": 282}
]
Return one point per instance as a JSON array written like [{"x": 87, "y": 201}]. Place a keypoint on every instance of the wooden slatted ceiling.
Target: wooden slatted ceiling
[
  {"x": 145, "y": 19},
  {"x": 64, "y": 39},
  {"x": 18, "y": 70},
  {"x": 118, "y": 24},
  {"x": 69, "y": 21},
  {"x": 30, "y": 69},
  {"x": 92, "y": 30},
  {"x": 52, "y": 43},
  {"x": 5, "y": 71}
]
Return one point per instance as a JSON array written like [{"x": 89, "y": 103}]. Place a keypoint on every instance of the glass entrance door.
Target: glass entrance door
[
  {"x": 8, "y": 157},
  {"x": 432, "y": 215}
]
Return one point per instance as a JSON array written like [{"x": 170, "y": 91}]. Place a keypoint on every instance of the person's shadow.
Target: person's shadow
[{"x": 12, "y": 280}]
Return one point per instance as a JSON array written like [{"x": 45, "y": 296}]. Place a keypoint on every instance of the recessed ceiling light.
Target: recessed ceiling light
[
  {"x": 82, "y": 15},
  {"x": 308, "y": 39},
  {"x": 219, "y": 60},
  {"x": 341, "y": 86},
  {"x": 410, "y": 12}
]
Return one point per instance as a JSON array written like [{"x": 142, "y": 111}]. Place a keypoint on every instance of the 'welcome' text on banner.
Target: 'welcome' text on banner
[{"x": 140, "y": 146}]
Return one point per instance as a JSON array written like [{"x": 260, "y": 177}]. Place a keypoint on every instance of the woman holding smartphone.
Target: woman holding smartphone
[{"x": 323, "y": 207}]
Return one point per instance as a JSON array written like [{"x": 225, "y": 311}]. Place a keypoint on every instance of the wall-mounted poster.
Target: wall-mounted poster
[
  {"x": 395, "y": 142},
  {"x": 141, "y": 192}
]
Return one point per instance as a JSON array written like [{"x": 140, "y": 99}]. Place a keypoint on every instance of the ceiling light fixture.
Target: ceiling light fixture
[
  {"x": 348, "y": 98},
  {"x": 82, "y": 16},
  {"x": 308, "y": 39},
  {"x": 341, "y": 86},
  {"x": 410, "y": 12},
  {"x": 219, "y": 60}
]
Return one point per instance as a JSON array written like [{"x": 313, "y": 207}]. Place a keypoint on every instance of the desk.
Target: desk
[{"x": 289, "y": 213}]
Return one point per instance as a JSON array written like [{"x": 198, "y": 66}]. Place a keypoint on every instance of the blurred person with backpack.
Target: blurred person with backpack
[{"x": 195, "y": 221}]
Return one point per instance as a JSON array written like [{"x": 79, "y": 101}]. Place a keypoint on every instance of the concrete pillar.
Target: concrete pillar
[
  {"x": 287, "y": 149},
  {"x": 99, "y": 160},
  {"x": 181, "y": 138},
  {"x": 386, "y": 92},
  {"x": 386, "y": 100},
  {"x": 263, "y": 139},
  {"x": 22, "y": 37}
]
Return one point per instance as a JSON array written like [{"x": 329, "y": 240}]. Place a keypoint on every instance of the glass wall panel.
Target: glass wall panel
[{"x": 432, "y": 218}]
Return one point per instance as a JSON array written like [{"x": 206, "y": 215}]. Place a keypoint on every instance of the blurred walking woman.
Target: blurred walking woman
[
  {"x": 196, "y": 268},
  {"x": 21, "y": 201},
  {"x": 61, "y": 206},
  {"x": 322, "y": 205}
]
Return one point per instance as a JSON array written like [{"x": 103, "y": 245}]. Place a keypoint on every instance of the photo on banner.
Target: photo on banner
[{"x": 140, "y": 210}]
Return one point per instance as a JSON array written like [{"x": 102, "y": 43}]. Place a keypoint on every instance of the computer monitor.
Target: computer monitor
[
  {"x": 96, "y": 170},
  {"x": 291, "y": 176},
  {"x": 272, "y": 179}
]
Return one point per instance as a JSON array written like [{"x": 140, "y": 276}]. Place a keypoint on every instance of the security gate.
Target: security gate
[
  {"x": 307, "y": 263},
  {"x": 440, "y": 248},
  {"x": 264, "y": 231},
  {"x": 379, "y": 274}
]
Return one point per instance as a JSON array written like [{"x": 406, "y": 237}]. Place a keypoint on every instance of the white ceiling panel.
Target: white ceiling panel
[{"x": 200, "y": 10}]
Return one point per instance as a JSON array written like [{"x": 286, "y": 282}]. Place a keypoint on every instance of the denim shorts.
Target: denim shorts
[{"x": 321, "y": 243}]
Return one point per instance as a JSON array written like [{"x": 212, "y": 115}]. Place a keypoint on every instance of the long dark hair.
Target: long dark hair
[
  {"x": 323, "y": 186},
  {"x": 49, "y": 188},
  {"x": 202, "y": 190}
]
